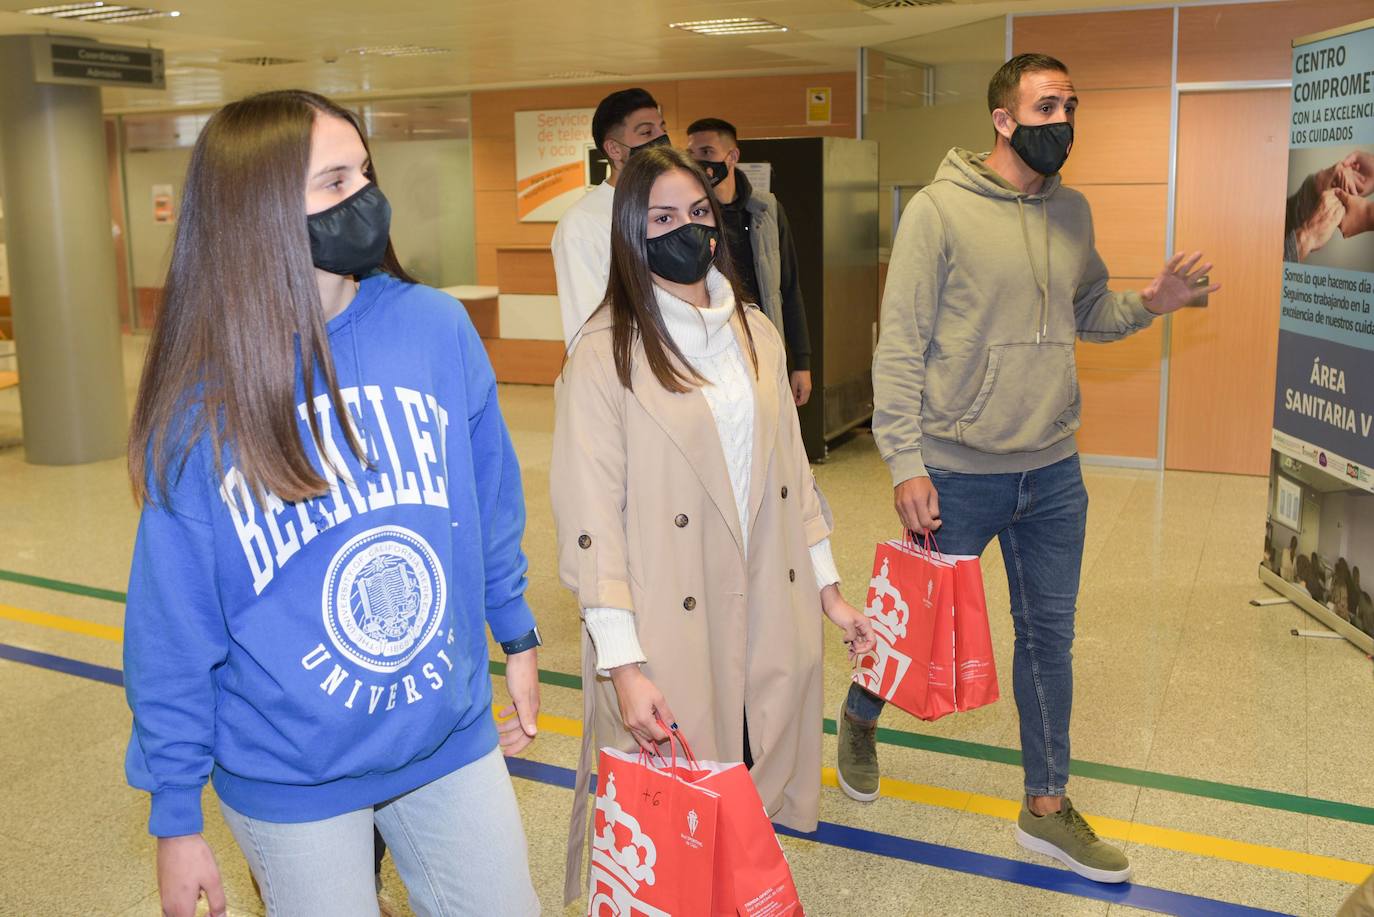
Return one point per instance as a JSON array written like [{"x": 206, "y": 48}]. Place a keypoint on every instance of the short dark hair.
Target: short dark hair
[
  {"x": 1005, "y": 87},
  {"x": 718, "y": 125},
  {"x": 615, "y": 108}
]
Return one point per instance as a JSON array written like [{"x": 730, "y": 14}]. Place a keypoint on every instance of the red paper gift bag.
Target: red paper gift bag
[
  {"x": 654, "y": 841},
  {"x": 934, "y": 653},
  {"x": 751, "y": 877}
]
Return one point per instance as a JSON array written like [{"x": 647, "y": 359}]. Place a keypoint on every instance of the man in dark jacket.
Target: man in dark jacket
[{"x": 760, "y": 243}]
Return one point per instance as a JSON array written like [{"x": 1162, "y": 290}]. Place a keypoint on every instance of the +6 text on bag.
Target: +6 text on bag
[
  {"x": 934, "y": 654},
  {"x": 654, "y": 840}
]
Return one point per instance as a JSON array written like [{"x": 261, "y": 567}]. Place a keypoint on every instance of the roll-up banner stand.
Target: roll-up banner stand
[{"x": 1319, "y": 540}]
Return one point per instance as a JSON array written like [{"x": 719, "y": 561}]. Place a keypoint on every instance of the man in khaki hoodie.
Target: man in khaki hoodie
[{"x": 993, "y": 273}]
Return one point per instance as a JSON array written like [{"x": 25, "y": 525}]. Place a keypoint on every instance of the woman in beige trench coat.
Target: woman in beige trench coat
[{"x": 689, "y": 524}]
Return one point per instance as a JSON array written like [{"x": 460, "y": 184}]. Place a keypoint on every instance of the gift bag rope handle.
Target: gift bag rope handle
[
  {"x": 675, "y": 738},
  {"x": 921, "y": 543}
]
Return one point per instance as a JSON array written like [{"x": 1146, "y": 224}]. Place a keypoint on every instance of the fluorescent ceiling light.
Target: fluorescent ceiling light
[
  {"x": 100, "y": 12},
  {"x": 398, "y": 51},
  {"x": 738, "y": 26}
]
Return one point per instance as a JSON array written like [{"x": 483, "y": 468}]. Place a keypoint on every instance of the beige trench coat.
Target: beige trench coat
[{"x": 647, "y": 521}]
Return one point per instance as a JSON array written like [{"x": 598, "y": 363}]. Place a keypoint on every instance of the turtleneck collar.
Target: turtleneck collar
[{"x": 700, "y": 332}]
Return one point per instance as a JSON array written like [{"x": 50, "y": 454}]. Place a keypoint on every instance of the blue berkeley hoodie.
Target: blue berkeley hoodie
[{"x": 317, "y": 657}]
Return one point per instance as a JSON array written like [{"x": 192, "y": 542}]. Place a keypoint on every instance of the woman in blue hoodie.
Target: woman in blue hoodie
[{"x": 332, "y": 515}]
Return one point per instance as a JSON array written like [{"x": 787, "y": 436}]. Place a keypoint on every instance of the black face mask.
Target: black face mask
[
  {"x": 351, "y": 237},
  {"x": 660, "y": 140},
  {"x": 715, "y": 171},
  {"x": 683, "y": 255},
  {"x": 1043, "y": 147}
]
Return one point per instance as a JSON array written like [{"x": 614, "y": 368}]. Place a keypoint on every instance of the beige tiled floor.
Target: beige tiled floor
[{"x": 1175, "y": 673}]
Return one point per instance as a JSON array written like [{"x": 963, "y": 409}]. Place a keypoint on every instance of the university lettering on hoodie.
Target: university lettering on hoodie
[{"x": 385, "y": 590}]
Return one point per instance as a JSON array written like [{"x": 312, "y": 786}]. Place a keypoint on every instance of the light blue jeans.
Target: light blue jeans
[
  {"x": 458, "y": 844},
  {"x": 1040, "y": 518}
]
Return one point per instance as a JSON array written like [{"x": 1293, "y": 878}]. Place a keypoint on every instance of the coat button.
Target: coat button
[
  {"x": 791, "y": 576},
  {"x": 689, "y": 603},
  {"x": 681, "y": 521},
  {"x": 784, "y": 493},
  {"x": 584, "y": 542}
]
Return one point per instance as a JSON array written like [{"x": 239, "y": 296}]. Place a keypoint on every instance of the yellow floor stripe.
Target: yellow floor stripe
[
  {"x": 1217, "y": 848},
  {"x": 62, "y": 622}
]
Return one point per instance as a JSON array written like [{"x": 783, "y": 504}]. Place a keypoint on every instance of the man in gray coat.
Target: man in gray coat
[
  {"x": 994, "y": 273},
  {"x": 760, "y": 243}
]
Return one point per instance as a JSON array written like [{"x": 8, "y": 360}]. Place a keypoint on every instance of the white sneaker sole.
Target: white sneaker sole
[
  {"x": 1036, "y": 845},
  {"x": 849, "y": 790}
]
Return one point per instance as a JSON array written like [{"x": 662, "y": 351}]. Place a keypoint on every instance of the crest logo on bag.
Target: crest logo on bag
[
  {"x": 618, "y": 870},
  {"x": 880, "y": 589},
  {"x": 692, "y": 822}
]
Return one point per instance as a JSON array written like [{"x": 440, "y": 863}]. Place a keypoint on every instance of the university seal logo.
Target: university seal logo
[{"x": 383, "y": 598}]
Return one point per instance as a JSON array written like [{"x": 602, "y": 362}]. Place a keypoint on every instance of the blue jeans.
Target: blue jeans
[
  {"x": 458, "y": 844},
  {"x": 1040, "y": 518}
]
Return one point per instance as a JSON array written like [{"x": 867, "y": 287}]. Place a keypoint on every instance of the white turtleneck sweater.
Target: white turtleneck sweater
[{"x": 707, "y": 339}]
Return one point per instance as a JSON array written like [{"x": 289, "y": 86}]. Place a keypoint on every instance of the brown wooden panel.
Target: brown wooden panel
[
  {"x": 1121, "y": 136},
  {"x": 485, "y": 315},
  {"x": 1222, "y": 358},
  {"x": 9, "y": 379},
  {"x": 525, "y": 270},
  {"x": 1129, "y": 222},
  {"x": 1253, "y": 41},
  {"x": 1139, "y": 352},
  {"x": 486, "y": 264},
  {"x": 149, "y": 302},
  {"x": 495, "y": 221},
  {"x": 768, "y": 106},
  {"x": 493, "y": 164},
  {"x": 1120, "y": 412},
  {"x": 1103, "y": 50},
  {"x": 525, "y": 361}
]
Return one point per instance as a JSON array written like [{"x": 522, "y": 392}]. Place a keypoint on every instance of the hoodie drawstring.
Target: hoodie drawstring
[{"x": 1042, "y": 329}]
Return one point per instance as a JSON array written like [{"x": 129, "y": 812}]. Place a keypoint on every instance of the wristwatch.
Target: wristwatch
[{"x": 528, "y": 642}]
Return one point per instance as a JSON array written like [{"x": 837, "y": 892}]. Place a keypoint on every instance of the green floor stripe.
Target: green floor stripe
[
  {"x": 557, "y": 679},
  {"x": 55, "y": 585},
  {"x": 1287, "y": 802},
  {"x": 1190, "y": 786}
]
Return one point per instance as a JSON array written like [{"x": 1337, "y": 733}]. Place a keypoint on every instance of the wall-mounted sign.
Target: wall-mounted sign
[
  {"x": 164, "y": 204},
  {"x": 72, "y": 61},
  {"x": 760, "y": 174},
  {"x": 551, "y": 161},
  {"x": 818, "y": 105}
]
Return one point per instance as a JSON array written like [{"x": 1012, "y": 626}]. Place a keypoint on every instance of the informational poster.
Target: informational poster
[
  {"x": 1321, "y": 510},
  {"x": 760, "y": 174},
  {"x": 818, "y": 105},
  {"x": 164, "y": 204},
  {"x": 551, "y": 161}
]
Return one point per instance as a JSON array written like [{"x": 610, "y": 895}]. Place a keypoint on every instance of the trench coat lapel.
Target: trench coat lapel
[{"x": 687, "y": 420}]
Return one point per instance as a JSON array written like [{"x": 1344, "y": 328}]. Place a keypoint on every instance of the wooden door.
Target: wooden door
[{"x": 1231, "y": 183}]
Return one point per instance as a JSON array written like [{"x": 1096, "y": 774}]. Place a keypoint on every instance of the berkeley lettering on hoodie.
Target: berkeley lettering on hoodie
[{"x": 412, "y": 471}]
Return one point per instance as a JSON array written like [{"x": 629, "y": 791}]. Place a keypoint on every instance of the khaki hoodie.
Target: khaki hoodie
[{"x": 986, "y": 289}]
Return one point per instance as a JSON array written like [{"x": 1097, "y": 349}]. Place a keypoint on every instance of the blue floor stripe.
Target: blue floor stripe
[
  {"x": 1032, "y": 875},
  {"x": 62, "y": 664},
  {"x": 983, "y": 865}
]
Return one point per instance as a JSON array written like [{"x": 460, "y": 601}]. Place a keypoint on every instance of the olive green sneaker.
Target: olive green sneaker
[
  {"x": 1065, "y": 836},
  {"x": 857, "y": 758}
]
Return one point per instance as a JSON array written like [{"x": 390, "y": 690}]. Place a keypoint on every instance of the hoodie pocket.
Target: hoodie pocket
[{"x": 1028, "y": 400}]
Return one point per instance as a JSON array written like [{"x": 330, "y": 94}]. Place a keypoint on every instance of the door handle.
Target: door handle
[{"x": 1200, "y": 301}]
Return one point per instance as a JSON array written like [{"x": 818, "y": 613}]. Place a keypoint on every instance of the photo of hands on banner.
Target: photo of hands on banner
[{"x": 1330, "y": 212}]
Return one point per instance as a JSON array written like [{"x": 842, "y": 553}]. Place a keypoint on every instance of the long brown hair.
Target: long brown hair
[
  {"x": 630, "y": 288},
  {"x": 241, "y": 308}
]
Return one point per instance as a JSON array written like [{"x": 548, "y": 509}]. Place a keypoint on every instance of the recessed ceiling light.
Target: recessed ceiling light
[
  {"x": 739, "y": 26},
  {"x": 100, "y": 12},
  {"x": 398, "y": 51},
  {"x": 579, "y": 74},
  {"x": 262, "y": 61}
]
